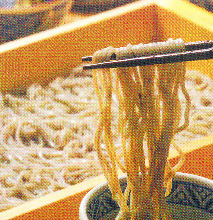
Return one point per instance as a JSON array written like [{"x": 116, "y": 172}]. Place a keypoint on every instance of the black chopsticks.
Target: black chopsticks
[{"x": 201, "y": 50}]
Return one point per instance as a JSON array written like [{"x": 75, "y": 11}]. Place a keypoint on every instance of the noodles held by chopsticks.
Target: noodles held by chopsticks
[
  {"x": 46, "y": 135},
  {"x": 149, "y": 113}
]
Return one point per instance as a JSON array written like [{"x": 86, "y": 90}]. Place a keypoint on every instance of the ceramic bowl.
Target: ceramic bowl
[
  {"x": 94, "y": 6},
  {"x": 20, "y": 22},
  {"x": 191, "y": 198}
]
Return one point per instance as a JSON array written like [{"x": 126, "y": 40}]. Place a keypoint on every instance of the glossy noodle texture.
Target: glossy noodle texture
[
  {"x": 150, "y": 115},
  {"x": 47, "y": 134}
]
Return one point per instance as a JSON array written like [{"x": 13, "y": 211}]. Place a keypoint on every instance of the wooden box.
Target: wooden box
[{"x": 42, "y": 57}]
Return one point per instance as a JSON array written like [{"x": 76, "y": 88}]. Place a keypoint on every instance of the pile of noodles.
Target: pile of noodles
[
  {"x": 46, "y": 139},
  {"x": 46, "y": 134}
]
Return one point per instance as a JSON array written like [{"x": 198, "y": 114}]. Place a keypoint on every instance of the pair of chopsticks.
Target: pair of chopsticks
[{"x": 200, "y": 50}]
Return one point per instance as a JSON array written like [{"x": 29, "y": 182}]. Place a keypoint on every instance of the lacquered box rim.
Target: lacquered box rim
[{"x": 54, "y": 33}]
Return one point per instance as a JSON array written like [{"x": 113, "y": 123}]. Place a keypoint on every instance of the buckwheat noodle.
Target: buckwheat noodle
[
  {"x": 149, "y": 114},
  {"x": 47, "y": 133}
]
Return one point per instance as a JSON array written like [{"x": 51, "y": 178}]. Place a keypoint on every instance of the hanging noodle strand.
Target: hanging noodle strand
[{"x": 149, "y": 116}]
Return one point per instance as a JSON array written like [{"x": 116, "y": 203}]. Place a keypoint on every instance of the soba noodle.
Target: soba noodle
[
  {"x": 46, "y": 139},
  {"x": 150, "y": 113},
  {"x": 46, "y": 134}
]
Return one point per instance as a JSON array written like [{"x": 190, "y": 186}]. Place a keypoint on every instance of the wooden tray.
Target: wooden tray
[{"x": 42, "y": 57}]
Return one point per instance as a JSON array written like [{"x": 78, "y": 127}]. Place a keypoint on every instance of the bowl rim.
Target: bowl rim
[
  {"x": 184, "y": 177},
  {"x": 32, "y": 9}
]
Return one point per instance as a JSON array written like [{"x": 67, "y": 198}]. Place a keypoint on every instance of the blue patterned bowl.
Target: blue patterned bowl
[
  {"x": 191, "y": 198},
  {"x": 20, "y": 22}
]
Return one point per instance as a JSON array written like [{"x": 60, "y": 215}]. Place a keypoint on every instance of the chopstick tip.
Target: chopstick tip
[{"x": 88, "y": 58}]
